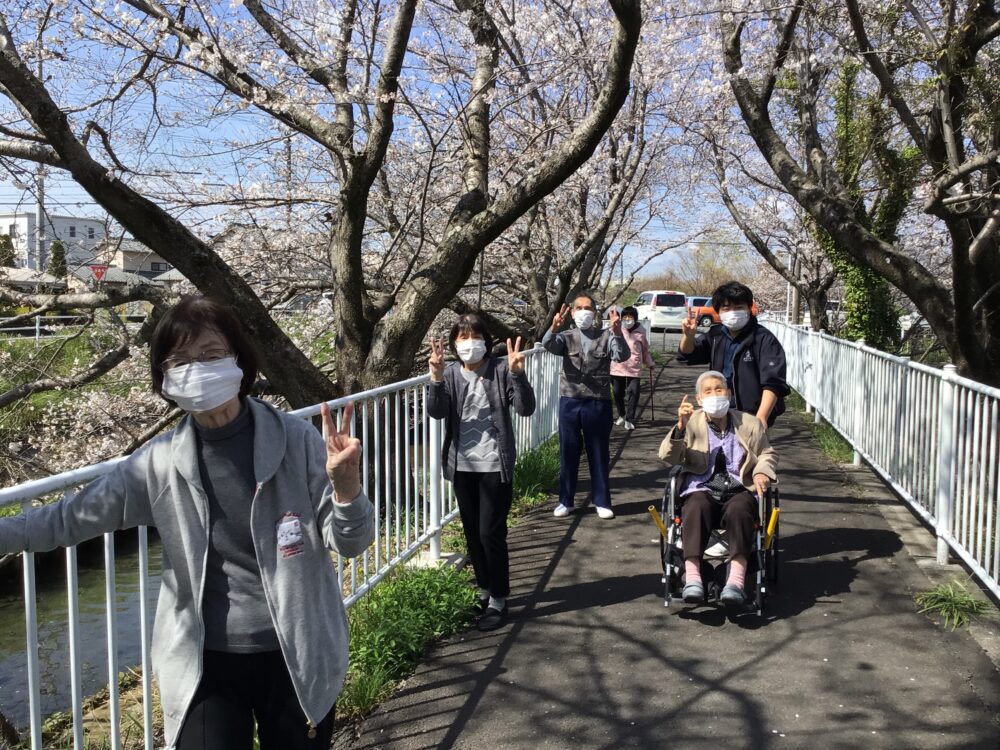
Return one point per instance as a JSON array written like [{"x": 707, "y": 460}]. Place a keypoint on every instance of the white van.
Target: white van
[{"x": 663, "y": 308}]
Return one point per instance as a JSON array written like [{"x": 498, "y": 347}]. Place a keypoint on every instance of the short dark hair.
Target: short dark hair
[
  {"x": 630, "y": 311},
  {"x": 588, "y": 295},
  {"x": 185, "y": 320},
  {"x": 732, "y": 293},
  {"x": 471, "y": 323}
]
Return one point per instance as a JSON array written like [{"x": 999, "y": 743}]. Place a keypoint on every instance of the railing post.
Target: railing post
[
  {"x": 38, "y": 328},
  {"x": 946, "y": 462},
  {"x": 859, "y": 406},
  {"x": 817, "y": 356},
  {"x": 811, "y": 366},
  {"x": 434, "y": 446}
]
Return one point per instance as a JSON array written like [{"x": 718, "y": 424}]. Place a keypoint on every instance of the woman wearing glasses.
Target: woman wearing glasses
[{"x": 248, "y": 501}]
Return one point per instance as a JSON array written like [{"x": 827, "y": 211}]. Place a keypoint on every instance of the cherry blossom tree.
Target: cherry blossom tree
[
  {"x": 930, "y": 67},
  {"x": 400, "y": 111}
]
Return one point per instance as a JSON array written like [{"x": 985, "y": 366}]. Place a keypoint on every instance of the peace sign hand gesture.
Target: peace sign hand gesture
[
  {"x": 515, "y": 357},
  {"x": 436, "y": 360},
  {"x": 689, "y": 326},
  {"x": 343, "y": 455},
  {"x": 616, "y": 321},
  {"x": 560, "y": 317}
]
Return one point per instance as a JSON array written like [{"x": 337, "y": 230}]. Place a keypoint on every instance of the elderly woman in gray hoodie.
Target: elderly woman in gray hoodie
[
  {"x": 248, "y": 502},
  {"x": 474, "y": 397}
]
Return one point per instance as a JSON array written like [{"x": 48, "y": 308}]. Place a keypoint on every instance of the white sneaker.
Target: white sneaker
[
  {"x": 605, "y": 512},
  {"x": 620, "y": 421},
  {"x": 561, "y": 511},
  {"x": 629, "y": 425}
]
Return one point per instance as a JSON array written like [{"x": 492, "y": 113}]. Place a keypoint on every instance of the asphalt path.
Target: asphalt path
[{"x": 592, "y": 659}]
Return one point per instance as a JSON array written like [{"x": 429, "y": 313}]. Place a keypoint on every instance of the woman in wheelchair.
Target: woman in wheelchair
[{"x": 724, "y": 454}]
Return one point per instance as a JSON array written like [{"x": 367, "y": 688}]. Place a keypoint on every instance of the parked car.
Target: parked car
[
  {"x": 705, "y": 313},
  {"x": 662, "y": 308}
]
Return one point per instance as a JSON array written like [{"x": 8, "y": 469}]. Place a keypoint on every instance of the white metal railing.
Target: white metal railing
[
  {"x": 42, "y": 327},
  {"x": 401, "y": 467},
  {"x": 931, "y": 434}
]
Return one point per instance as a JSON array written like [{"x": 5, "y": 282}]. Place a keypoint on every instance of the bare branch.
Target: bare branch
[
  {"x": 781, "y": 52},
  {"x": 31, "y": 152}
]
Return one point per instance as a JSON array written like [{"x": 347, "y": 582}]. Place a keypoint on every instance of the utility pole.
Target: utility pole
[
  {"x": 39, "y": 264},
  {"x": 288, "y": 181},
  {"x": 796, "y": 301}
]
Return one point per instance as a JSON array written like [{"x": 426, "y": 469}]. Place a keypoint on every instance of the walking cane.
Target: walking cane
[{"x": 652, "y": 394}]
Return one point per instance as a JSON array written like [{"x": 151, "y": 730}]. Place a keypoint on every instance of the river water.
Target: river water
[{"x": 53, "y": 637}]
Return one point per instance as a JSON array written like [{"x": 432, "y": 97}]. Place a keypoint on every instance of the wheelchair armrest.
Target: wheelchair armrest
[{"x": 675, "y": 471}]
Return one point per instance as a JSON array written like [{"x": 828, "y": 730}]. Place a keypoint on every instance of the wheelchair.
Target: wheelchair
[{"x": 762, "y": 564}]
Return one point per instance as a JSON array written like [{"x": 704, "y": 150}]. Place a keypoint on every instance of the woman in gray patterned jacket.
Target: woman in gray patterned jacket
[{"x": 474, "y": 397}]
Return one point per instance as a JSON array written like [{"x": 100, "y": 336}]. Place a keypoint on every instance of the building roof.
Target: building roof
[
  {"x": 112, "y": 275},
  {"x": 172, "y": 275},
  {"x": 28, "y": 277},
  {"x": 127, "y": 246}
]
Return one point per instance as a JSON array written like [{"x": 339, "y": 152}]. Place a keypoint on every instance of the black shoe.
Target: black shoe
[{"x": 492, "y": 619}]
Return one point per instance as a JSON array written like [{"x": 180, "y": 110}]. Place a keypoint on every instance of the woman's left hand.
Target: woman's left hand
[
  {"x": 515, "y": 357},
  {"x": 343, "y": 455},
  {"x": 761, "y": 482}
]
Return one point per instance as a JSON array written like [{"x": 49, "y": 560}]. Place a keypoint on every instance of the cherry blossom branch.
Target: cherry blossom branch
[
  {"x": 781, "y": 52},
  {"x": 102, "y": 366}
]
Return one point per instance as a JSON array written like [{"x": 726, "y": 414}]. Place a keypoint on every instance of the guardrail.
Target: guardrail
[
  {"x": 401, "y": 467},
  {"x": 40, "y": 327},
  {"x": 931, "y": 434}
]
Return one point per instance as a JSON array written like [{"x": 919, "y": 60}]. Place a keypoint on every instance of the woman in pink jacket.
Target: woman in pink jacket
[{"x": 625, "y": 375}]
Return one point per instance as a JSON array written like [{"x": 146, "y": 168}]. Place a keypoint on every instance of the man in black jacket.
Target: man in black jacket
[{"x": 748, "y": 354}]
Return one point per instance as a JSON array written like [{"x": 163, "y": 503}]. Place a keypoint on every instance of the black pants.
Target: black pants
[
  {"x": 483, "y": 503},
  {"x": 626, "y": 387},
  {"x": 702, "y": 512},
  {"x": 235, "y": 690}
]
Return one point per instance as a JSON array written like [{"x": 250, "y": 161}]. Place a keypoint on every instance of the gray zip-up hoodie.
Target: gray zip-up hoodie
[{"x": 161, "y": 486}]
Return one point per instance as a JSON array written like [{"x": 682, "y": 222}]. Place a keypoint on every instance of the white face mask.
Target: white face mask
[
  {"x": 734, "y": 319},
  {"x": 629, "y": 324},
  {"x": 715, "y": 406},
  {"x": 584, "y": 319},
  {"x": 471, "y": 350},
  {"x": 203, "y": 386}
]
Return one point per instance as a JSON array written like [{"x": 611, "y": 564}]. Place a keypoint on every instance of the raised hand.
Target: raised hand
[
  {"x": 515, "y": 357},
  {"x": 689, "y": 326},
  {"x": 436, "y": 360},
  {"x": 343, "y": 455},
  {"x": 616, "y": 321},
  {"x": 560, "y": 317},
  {"x": 684, "y": 412}
]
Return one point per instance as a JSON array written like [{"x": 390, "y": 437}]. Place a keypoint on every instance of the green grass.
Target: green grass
[
  {"x": 392, "y": 626},
  {"x": 953, "y": 602},
  {"x": 829, "y": 440}
]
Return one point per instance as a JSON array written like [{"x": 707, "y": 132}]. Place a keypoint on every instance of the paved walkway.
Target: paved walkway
[{"x": 592, "y": 659}]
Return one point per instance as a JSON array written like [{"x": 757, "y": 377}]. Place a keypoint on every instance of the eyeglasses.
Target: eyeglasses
[{"x": 208, "y": 355}]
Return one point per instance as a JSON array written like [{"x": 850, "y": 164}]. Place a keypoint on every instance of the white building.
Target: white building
[{"x": 78, "y": 235}]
